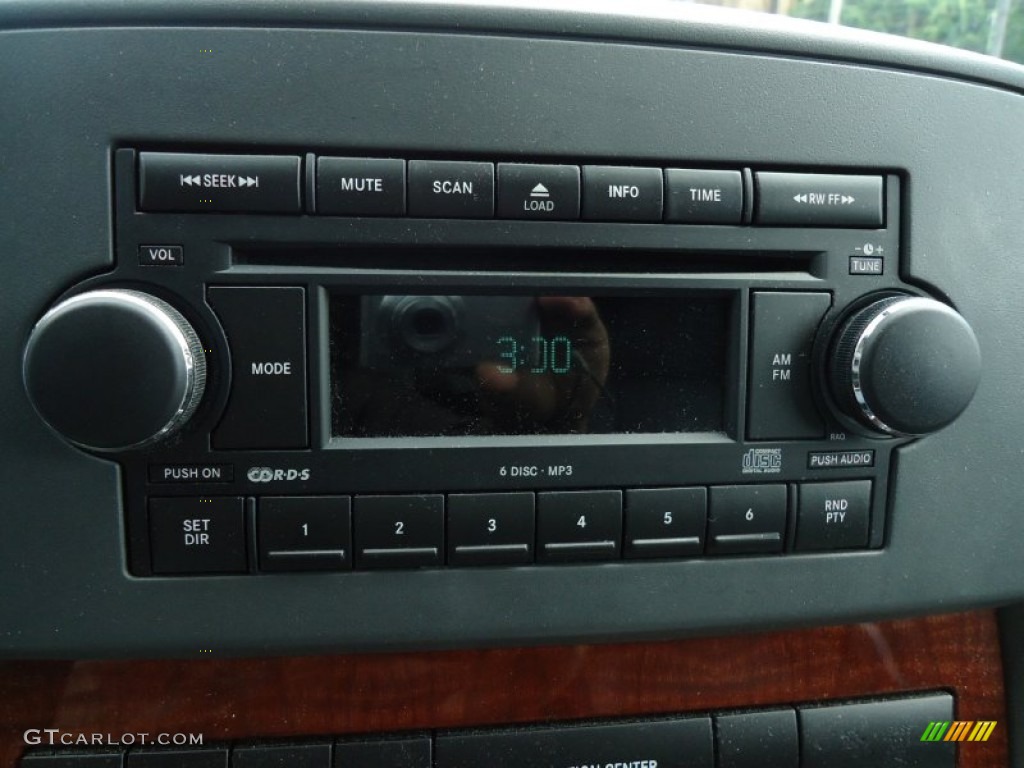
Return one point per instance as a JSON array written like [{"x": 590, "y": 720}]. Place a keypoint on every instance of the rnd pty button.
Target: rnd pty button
[{"x": 197, "y": 534}]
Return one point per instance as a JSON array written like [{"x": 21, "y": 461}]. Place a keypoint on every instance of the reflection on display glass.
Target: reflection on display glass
[{"x": 411, "y": 365}]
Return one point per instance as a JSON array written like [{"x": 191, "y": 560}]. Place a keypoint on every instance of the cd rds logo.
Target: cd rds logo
[{"x": 268, "y": 475}]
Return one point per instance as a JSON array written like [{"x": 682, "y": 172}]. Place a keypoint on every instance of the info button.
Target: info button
[{"x": 612, "y": 193}]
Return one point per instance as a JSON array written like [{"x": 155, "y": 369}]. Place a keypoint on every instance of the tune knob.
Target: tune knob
[
  {"x": 904, "y": 365},
  {"x": 114, "y": 369}
]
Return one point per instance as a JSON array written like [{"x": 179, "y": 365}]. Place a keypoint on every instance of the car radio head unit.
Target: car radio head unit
[{"x": 318, "y": 362}]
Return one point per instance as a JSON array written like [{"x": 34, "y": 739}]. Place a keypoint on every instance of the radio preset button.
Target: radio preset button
[
  {"x": 538, "y": 191},
  {"x": 266, "y": 331},
  {"x": 819, "y": 200},
  {"x": 579, "y": 525},
  {"x": 451, "y": 190},
  {"x": 833, "y": 515},
  {"x": 191, "y": 183},
  {"x": 360, "y": 186},
  {"x": 745, "y": 519},
  {"x": 399, "y": 531},
  {"x": 304, "y": 533},
  {"x": 665, "y": 522},
  {"x": 490, "y": 528},
  {"x": 703, "y": 197},
  {"x": 781, "y": 399},
  {"x": 614, "y": 193},
  {"x": 197, "y": 534}
]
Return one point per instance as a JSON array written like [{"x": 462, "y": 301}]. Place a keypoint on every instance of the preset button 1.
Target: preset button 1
[{"x": 305, "y": 533}]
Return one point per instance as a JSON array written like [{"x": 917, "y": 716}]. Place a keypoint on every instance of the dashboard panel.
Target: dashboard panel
[{"x": 554, "y": 326}]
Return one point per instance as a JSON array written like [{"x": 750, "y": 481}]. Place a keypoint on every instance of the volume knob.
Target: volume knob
[
  {"x": 904, "y": 365},
  {"x": 114, "y": 369}
]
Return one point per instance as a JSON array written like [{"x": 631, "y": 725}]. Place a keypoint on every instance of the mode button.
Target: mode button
[{"x": 266, "y": 331}]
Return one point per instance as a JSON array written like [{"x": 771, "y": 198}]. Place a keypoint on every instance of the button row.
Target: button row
[
  {"x": 357, "y": 186},
  {"x": 831, "y": 736},
  {"x": 303, "y": 533}
]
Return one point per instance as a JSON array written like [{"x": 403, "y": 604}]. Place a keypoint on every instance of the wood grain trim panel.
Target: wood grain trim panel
[{"x": 275, "y": 697}]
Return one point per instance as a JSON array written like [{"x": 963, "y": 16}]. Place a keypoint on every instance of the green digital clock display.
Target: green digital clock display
[
  {"x": 538, "y": 355},
  {"x": 480, "y": 364}
]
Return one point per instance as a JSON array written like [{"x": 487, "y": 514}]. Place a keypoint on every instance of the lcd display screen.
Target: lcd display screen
[{"x": 417, "y": 365}]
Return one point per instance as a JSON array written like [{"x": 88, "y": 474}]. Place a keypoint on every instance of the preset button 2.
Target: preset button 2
[{"x": 399, "y": 531}]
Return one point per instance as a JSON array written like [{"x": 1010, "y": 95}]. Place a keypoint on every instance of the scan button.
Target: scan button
[{"x": 451, "y": 190}]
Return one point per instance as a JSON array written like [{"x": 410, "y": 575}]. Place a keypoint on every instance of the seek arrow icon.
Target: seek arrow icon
[
  {"x": 191, "y": 180},
  {"x": 248, "y": 181}
]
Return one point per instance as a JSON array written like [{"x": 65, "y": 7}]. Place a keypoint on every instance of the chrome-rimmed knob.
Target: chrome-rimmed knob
[
  {"x": 904, "y": 365},
  {"x": 114, "y": 369}
]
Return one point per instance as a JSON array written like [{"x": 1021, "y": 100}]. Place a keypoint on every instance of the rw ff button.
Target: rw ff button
[{"x": 833, "y": 515}]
